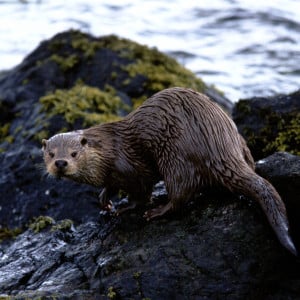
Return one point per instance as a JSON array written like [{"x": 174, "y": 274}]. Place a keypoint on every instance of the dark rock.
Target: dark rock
[
  {"x": 205, "y": 253},
  {"x": 270, "y": 124},
  {"x": 283, "y": 170},
  {"x": 218, "y": 247},
  {"x": 27, "y": 193},
  {"x": 59, "y": 63}
]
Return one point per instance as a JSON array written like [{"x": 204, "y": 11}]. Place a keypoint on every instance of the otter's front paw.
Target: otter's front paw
[{"x": 105, "y": 203}]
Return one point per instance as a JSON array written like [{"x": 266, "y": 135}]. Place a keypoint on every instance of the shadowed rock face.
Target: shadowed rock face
[
  {"x": 269, "y": 124},
  {"x": 218, "y": 247}
]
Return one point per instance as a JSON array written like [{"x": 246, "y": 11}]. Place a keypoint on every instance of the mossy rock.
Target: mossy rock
[
  {"x": 107, "y": 77},
  {"x": 85, "y": 103},
  {"x": 9, "y": 233},
  {"x": 270, "y": 124},
  {"x": 75, "y": 80},
  {"x": 71, "y": 81},
  {"x": 41, "y": 223},
  {"x": 131, "y": 64}
]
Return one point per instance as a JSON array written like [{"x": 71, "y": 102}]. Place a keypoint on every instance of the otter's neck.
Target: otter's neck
[{"x": 130, "y": 158}]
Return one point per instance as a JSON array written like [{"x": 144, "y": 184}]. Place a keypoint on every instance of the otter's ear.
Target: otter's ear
[
  {"x": 44, "y": 143},
  {"x": 83, "y": 141}
]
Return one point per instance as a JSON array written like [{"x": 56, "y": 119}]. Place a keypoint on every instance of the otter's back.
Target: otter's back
[{"x": 183, "y": 118}]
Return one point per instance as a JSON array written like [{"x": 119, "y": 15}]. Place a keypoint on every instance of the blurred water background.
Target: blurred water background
[{"x": 245, "y": 48}]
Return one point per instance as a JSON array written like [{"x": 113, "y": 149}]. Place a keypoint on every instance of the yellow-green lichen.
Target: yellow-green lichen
[
  {"x": 6, "y": 297},
  {"x": 243, "y": 107},
  {"x": 163, "y": 72},
  {"x": 113, "y": 75},
  {"x": 111, "y": 294},
  {"x": 86, "y": 103},
  {"x": 4, "y": 134},
  {"x": 4, "y": 131},
  {"x": 65, "y": 63},
  {"x": 88, "y": 47},
  {"x": 43, "y": 134},
  {"x": 160, "y": 70},
  {"x": 137, "y": 275},
  {"x": 288, "y": 138},
  {"x": 8, "y": 233},
  {"x": 41, "y": 223},
  {"x": 280, "y": 132},
  {"x": 63, "y": 225}
]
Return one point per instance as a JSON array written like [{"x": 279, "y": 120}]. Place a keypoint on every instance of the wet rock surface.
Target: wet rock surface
[
  {"x": 206, "y": 252},
  {"x": 218, "y": 247},
  {"x": 283, "y": 170}
]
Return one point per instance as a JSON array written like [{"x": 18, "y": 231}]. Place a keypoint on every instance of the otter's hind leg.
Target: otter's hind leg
[
  {"x": 158, "y": 211},
  {"x": 180, "y": 188}
]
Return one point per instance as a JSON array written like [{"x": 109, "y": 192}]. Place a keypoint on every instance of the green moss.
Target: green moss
[
  {"x": 243, "y": 107},
  {"x": 42, "y": 134},
  {"x": 4, "y": 134},
  {"x": 288, "y": 138},
  {"x": 41, "y": 223},
  {"x": 88, "y": 47},
  {"x": 5, "y": 297},
  {"x": 4, "y": 131},
  {"x": 10, "y": 139},
  {"x": 63, "y": 225},
  {"x": 281, "y": 132},
  {"x": 137, "y": 275},
  {"x": 56, "y": 45},
  {"x": 113, "y": 75},
  {"x": 163, "y": 73},
  {"x": 82, "y": 102},
  {"x": 111, "y": 294},
  {"x": 65, "y": 63},
  {"x": 8, "y": 233},
  {"x": 25, "y": 81},
  {"x": 159, "y": 70}
]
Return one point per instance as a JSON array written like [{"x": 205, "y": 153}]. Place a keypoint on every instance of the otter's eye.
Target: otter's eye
[
  {"x": 51, "y": 154},
  {"x": 74, "y": 154}
]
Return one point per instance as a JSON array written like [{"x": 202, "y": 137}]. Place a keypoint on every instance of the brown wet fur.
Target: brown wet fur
[{"x": 177, "y": 135}]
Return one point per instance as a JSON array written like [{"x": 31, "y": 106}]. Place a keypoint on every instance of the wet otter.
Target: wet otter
[{"x": 177, "y": 135}]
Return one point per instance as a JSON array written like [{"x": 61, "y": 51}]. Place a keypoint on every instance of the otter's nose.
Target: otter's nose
[{"x": 61, "y": 164}]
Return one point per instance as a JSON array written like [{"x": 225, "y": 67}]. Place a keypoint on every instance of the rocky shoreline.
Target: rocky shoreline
[{"x": 55, "y": 242}]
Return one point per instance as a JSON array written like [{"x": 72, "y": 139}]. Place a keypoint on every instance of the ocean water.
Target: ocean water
[{"x": 245, "y": 48}]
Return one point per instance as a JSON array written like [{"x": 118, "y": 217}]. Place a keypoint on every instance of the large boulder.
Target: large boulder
[
  {"x": 218, "y": 247},
  {"x": 71, "y": 81},
  {"x": 270, "y": 124},
  {"x": 60, "y": 247}
]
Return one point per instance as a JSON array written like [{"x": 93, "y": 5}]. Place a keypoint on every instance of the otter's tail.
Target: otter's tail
[{"x": 256, "y": 187}]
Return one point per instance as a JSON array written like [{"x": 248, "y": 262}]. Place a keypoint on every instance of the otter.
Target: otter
[{"x": 177, "y": 135}]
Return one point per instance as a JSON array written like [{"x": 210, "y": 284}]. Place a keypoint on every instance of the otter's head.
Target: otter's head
[{"x": 69, "y": 155}]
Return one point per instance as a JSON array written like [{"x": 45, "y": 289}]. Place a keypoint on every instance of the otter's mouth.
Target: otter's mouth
[
  {"x": 63, "y": 175},
  {"x": 60, "y": 174}
]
